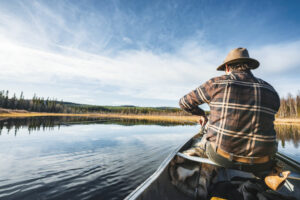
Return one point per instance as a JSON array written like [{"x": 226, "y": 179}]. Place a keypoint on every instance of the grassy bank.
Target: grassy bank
[
  {"x": 287, "y": 121},
  {"x": 165, "y": 118}
]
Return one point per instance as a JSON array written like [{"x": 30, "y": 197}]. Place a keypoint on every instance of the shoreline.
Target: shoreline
[
  {"x": 163, "y": 118},
  {"x": 295, "y": 121}
]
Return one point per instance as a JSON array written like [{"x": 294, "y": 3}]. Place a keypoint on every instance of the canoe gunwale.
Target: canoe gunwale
[
  {"x": 135, "y": 193},
  {"x": 287, "y": 160},
  {"x": 142, "y": 187}
]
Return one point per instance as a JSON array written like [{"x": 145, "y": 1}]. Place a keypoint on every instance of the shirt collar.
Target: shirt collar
[{"x": 242, "y": 72}]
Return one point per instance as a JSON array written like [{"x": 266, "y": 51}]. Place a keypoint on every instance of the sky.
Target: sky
[{"x": 143, "y": 53}]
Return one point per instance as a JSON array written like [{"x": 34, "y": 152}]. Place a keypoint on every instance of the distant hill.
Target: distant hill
[{"x": 40, "y": 104}]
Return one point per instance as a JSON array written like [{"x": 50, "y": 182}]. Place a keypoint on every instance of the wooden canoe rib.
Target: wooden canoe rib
[{"x": 159, "y": 187}]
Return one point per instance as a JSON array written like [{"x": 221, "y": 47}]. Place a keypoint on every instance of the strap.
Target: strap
[{"x": 249, "y": 160}]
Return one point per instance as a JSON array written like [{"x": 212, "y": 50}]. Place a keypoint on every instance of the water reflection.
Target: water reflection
[
  {"x": 50, "y": 122},
  {"x": 91, "y": 158},
  {"x": 67, "y": 159},
  {"x": 285, "y": 133},
  {"x": 288, "y": 133}
]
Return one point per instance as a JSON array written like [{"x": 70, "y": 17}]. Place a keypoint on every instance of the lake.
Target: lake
[{"x": 92, "y": 158}]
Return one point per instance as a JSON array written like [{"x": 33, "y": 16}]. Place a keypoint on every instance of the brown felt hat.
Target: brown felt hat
[{"x": 239, "y": 55}]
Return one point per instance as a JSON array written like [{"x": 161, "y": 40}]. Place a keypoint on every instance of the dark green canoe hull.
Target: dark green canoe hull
[{"x": 159, "y": 187}]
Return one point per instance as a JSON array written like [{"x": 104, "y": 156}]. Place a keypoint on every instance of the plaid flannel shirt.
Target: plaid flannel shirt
[{"x": 242, "y": 111}]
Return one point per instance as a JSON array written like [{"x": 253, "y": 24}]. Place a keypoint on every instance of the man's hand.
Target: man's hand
[{"x": 203, "y": 120}]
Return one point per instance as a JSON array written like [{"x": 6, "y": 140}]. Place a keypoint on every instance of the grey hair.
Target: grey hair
[{"x": 239, "y": 67}]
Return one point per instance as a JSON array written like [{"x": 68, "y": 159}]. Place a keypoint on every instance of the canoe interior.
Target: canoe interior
[
  {"x": 159, "y": 186},
  {"x": 162, "y": 188}
]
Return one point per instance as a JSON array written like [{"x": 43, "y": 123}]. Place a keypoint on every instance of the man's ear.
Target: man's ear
[{"x": 226, "y": 68}]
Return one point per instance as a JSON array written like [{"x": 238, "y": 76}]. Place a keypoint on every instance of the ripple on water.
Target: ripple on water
[{"x": 71, "y": 165}]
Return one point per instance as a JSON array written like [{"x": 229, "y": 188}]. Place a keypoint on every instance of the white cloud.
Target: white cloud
[
  {"x": 276, "y": 58},
  {"x": 135, "y": 73},
  {"x": 138, "y": 74},
  {"x": 127, "y": 40},
  {"x": 31, "y": 57}
]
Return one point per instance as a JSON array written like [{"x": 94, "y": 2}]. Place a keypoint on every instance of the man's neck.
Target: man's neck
[{"x": 236, "y": 71}]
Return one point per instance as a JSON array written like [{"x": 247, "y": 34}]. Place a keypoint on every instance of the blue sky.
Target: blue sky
[{"x": 146, "y": 53}]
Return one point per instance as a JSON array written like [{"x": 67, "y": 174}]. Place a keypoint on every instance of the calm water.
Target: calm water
[{"x": 84, "y": 158}]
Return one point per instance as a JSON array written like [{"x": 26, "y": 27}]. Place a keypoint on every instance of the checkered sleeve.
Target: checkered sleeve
[
  {"x": 276, "y": 99},
  {"x": 192, "y": 100}
]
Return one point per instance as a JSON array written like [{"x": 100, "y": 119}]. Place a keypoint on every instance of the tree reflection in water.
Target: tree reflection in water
[
  {"x": 286, "y": 133},
  {"x": 50, "y": 122}
]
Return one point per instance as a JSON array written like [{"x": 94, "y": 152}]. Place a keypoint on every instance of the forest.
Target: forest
[
  {"x": 290, "y": 106},
  {"x": 40, "y": 104}
]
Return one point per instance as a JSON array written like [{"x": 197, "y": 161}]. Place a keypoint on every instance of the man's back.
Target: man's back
[
  {"x": 242, "y": 110},
  {"x": 242, "y": 114}
]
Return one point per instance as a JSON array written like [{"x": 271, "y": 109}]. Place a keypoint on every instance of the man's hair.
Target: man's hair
[{"x": 239, "y": 67}]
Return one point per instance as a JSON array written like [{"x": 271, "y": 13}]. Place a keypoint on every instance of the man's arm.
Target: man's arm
[
  {"x": 190, "y": 103},
  {"x": 192, "y": 100}
]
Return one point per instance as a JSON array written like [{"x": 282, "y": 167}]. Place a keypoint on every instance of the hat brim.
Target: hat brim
[{"x": 253, "y": 64}]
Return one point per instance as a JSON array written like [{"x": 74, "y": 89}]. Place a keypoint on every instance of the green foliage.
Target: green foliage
[
  {"x": 36, "y": 104},
  {"x": 50, "y": 122},
  {"x": 39, "y": 104},
  {"x": 126, "y": 109}
]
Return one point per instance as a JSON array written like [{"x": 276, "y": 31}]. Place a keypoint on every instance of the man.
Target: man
[{"x": 240, "y": 131}]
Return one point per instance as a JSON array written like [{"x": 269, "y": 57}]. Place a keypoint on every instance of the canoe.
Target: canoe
[{"x": 159, "y": 185}]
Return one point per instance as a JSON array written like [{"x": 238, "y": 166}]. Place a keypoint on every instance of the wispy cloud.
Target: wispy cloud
[
  {"x": 280, "y": 57},
  {"x": 66, "y": 54},
  {"x": 139, "y": 74},
  {"x": 135, "y": 73}
]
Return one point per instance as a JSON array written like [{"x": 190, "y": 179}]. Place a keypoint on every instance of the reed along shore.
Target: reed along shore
[{"x": 162, "y": 118}]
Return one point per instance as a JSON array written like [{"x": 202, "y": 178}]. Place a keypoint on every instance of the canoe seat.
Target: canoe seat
[{"x": 197, "y": 159}]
